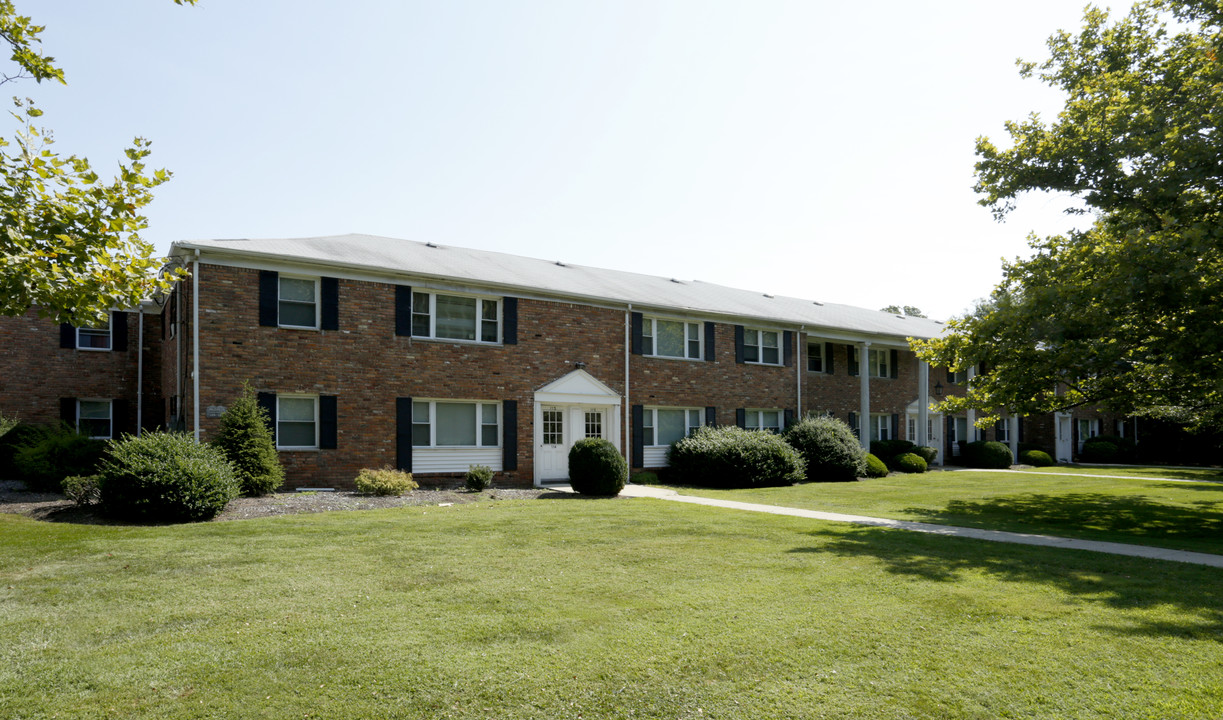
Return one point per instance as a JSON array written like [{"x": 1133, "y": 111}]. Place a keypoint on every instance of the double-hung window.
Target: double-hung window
[
  {"x": 881, "y": 426},
  {"x": 815, "y": 357},
  {"x": 663, "y": 426},
  {"x": 763, "y": 420},
  {"x": 94, "y": 337},
  {"x": 455, "y": 317},
  {"x": 297, "y": 300},
  {"x": 671, "y": 338},
  {"x": 443, "y": 423},
  {"x": 1002, "y": 430},
  {"x": 761, "y": 346},
  {"x": 297, "y": 422},
  {"x": 93, "y": 418},
  {"x": 879, "y": 363}
]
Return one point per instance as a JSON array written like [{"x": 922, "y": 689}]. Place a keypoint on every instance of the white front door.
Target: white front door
[
  {"x": 553, "y": 455},
  {"x": 1063, "y": 438}
]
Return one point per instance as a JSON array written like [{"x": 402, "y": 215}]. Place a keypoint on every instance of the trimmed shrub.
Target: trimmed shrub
[
  {"x": 910, "y": 463},
  {"x": 731, "y": 457},
  {"x": 645, "y": 477},
  {"x": 596, "y": 467},
  {"x": 875, "y": 468},
  {"x": 926, "y": 453},
  {"x": 245, "y": 438},
  {"x": 387, "y": 481},
  {"x": 478, "y": 478},
  {"x": 82, "y": 489},
  {"x": 53, "y": 455},
  {"x": 1035, "y": 458},
  {"x": 165, "y": 477},
  {"x": 888, "y": 450},
  {"x": 1108, "y": 449},
  {"x": 829, "y": 449},
  {"x": 987, "y": 454}
]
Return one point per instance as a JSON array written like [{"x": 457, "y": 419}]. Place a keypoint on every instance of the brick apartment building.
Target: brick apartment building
[{"x": 370, "y": 351}]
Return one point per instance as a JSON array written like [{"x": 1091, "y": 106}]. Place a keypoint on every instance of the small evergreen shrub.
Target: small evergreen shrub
[
  {"x": 888, "y": 450},
  {"x": 875, "y": 468},
  {"x": 387, "y": 481},
  {"x": 478, "y": 478},
  {"x": 927, "y": 453},
  {"x": 731, "y": 457},
  {"x": 829, "y": 449},
  {"x": 54, "y": 454},
  {"x": 596, "y": 467},
  {"x": 246, "y": 440},
  {"x": 82, "y": 489},
  {"x": 1035, "y": 458},
  {"x": 987, "y": 454},
  {"x": 165, "y": 477},
  {"x": 910, "y": 463}
]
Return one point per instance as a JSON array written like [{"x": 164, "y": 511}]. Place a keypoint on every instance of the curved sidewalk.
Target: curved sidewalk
[{"x": 1142, "y": 551}]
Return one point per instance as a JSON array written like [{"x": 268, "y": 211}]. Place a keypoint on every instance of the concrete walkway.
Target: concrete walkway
[{"x": 1142, "y": 551}]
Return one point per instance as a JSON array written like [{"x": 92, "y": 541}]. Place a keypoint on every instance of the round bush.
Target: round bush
[
  {"x": 1035, "y": 458},
  {"x": 478, "y": 478},
  {"x": 596, "y": 467},
  {"x": 875, "y": 468},
  {"x": 987, "y": 454},
  {"x": 888, "y": 450},
  {"x": 1098, "y": 450},
  {"x": 384, "y": 482},
  {"x": 731, "y": 457},
  {"x": 829, "y": 448},
  {"x": 927, "y": 453},
  {"x": 910, "y": 463},
  {"x": 55, "y": 454},
  {"x": 165, "y": 477}
]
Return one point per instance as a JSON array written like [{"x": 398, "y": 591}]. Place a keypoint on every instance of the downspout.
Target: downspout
[
  {"x": 140, "y": 374},
  {"x": 799, "y": 359},
  {"x": 195, "y": 341},
  {"x": 627, "y": 439}
]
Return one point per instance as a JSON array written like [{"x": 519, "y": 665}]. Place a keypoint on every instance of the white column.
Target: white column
[
  {"x": 923, "y": 402},
  {"x": 864, "y": 377},
  {"x": 1012, "y": 434},
  {"x": 972, "y": 414}
]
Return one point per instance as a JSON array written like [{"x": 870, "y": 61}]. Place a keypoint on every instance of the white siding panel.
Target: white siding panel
[
  {"x": 446, "y": 460},
  {"x": 654, "y": 457}
]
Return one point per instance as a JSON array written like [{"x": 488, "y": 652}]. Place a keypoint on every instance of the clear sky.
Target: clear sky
[{"x": 815, "y": 149}]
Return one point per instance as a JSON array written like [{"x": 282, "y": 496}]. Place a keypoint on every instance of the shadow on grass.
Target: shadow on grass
[{"x": 1132, "y": 585}]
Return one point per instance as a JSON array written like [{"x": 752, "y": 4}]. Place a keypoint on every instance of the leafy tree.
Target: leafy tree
[
  {"x": 69, "y": 242},
  {"x": 246, "y": 441},
  {"x": 906, "y": 310},
  {"x": 1125, "y": 313}
]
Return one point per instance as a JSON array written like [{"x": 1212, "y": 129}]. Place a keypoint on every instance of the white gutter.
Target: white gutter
[
  {"x": 195, "y": 340},
  {"x": 140, "y": 374}
]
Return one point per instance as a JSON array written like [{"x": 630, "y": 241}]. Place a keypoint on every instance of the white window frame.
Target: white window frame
[
  {"x": 760, "y": 347},
  {"x": 1093, "y": 430},
  {"x": 97, "y": 332},
  {"x": 819, "y": 350},
  {"x": 480, "y": 424},
  {"x": 318, "y": 302},
  {"x": 693, "y": 419},
  {"x": 753, "y": 419},
  {"x": 880, "y": 361},
  {"x": 958, "y": 377},
  {"x": 878, "y": 422},
  {"x": 297, "y": 396},
  {"x": 110, "y": 416},
  {"x": 1002, "y": 430},
  {"x": 432, "y": 296},
  {"x": 693, "y": 332}
]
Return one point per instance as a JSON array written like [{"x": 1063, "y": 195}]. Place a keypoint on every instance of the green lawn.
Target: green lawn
[
  {"x": 1145, "y": 471},
  {"x": 1185, "y": 516},
  {"x": 571, "y": 608}
]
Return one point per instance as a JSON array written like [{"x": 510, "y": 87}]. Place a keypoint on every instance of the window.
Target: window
[
  {"x": 439, "y": 423},
  {"x": 94, "y": 337},
  {"x": 93, "y": 418},
  {"x": 554, "y": 427},
  {"x": 663, "y": 426},
  {"x": 1002, "y": 430},
  {"x": 298, "y": 302},
  {"x": 455, "y": 317},
  {"x": 958, "y": 377},
  {"x": 1087, "y": 430},
  {"x": 761, "y": 346},
  {"x": 815, "y": 357},
  {"x": 881, "y": 426},
  {"x": 296, "y": 422},
  {"x": 763, "y": 420},
  {"x": 879, "y": 363},
  {"x": 671, "y": 338},
  {"x": 594, "y": 424}
]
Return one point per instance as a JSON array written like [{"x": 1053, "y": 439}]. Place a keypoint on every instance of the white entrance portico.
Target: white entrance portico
[{"x": 568, "y": 409}]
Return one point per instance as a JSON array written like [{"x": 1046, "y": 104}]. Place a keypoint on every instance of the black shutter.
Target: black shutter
[
  {"x": 403, "y": 433},
  {"x": 118, "y": 331},
  {"x": 711, "y": 416},
  {"x": 853, "y": 422},
  {"x": 949, "y": 434},
  {"x": 710, "y": 335},
  {"x": 509, "y": 327},
  {"x": 267, "y": 401},
  {"x": 403, "y": 310},
  {"x": 638, "y": 436},
  {"x": 741, "y": 417},
  {"x": 67, "y": 335},
  {"x": 328, "y": 422},
  {"x": 895, "y": 424},
  {"x": 118, "y": 417},
  {"x": 636, "y": 322},
  {"x": 950, "y": 376},
  {"x": 1020, "y": 438},
  {"x": 509, "y": 433},
  {"x": 331, "y": 303},
  {"x": 789, "y": 418},
  {"x": 67, "y": 410},
  {"x": 895, "y": 364},
  {"x": 787, "y": 348},
  {"x": 852, "y": 362},
  {"x": 828, "y": 357},
  {"x": 269, "y": 298},
  {"x": 739, "y": 343}
]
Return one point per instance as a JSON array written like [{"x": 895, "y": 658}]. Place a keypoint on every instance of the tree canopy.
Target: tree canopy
[
  {"x": 69, "y": 241},
  {"x": 1125, "y": 314},
  {"x": 906, "y": 310}
]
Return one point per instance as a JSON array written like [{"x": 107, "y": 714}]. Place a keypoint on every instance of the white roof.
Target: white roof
[{"x": 545, "y": 277}]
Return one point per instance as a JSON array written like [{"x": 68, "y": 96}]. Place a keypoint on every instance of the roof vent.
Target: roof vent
[
  {"x": 677, "y": 282},
  {"x": 561, "y": 264},
  {"x": 429, "y": 244},
  {"x": 817, "y": 302},
  {"x": 902, "y": 317},
  {"x": 768, "y": 296}
]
